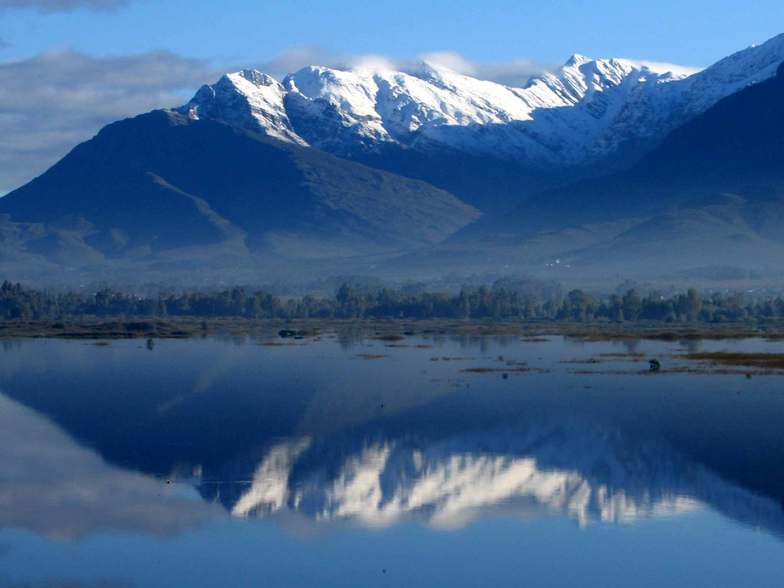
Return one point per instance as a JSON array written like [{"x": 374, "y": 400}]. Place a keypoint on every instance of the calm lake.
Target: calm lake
[{"x": 429, "y": 461}]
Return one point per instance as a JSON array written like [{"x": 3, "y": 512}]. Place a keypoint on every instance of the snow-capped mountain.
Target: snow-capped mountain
[
  {"x": 336, "y": 165},
  {"x": 248, "y": 100},
  {"x": 582, "y": 112},
  {"x": 351, "y": 111}
]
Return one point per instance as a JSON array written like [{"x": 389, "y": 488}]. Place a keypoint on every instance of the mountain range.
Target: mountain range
[
  {"x": 591, "y": 170},
  {"x": 713, "y": 189}
]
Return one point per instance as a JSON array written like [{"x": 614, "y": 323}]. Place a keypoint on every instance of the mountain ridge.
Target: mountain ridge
[
  {"x": 602, "y": 101},
  {"x": 736, "y": 145},
  {"x": 490, "y": 145}
]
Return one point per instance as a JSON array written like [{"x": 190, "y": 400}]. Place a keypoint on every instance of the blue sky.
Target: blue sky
[
  {"x": 693, "y": 32},
  {"x": 68, "y": 67}
]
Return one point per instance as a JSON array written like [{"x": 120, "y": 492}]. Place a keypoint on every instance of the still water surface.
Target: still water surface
[{"x": 344, "y": 462}]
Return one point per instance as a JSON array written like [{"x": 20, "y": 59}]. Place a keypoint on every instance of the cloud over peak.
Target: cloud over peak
[{"x": 514, "y": 72}]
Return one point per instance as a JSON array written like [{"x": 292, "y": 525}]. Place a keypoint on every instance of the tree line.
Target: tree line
[{"x": 486, "y": 302}]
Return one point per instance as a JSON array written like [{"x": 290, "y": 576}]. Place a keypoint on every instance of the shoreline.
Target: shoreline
[{"x": 194, "y": 327}]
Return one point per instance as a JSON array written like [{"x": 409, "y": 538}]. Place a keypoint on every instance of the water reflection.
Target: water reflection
[
  {"x": 588, "y": 474},
  {"x": 123, "y": 439},
  {"x": 52, "y": 486},
  {"x": 448, "y": 483}
]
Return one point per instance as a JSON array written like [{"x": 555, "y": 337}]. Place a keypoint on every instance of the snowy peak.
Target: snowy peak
[
  {"x": 332, "y": 107},
  {"x": 341, "y": 110},
  {"x": 257, "y": 78},
  {"x": 578, "y": 78},
  {"x": 576, "y": 60},
  {"x": 348, "y": 110},
  {"x": 581, "y": 113},
  {"x": 247, "y": 99}
]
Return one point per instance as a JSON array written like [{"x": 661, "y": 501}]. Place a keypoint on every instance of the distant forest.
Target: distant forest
[{"x": 485, "y": 302}]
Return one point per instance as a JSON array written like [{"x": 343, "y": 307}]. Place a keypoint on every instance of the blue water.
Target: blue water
[{"x": 232, "y": 462}]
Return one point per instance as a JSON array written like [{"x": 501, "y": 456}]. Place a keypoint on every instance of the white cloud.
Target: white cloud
[
  {"x": 514, "y": 72},
  {"x": 53, "y": 101},
  {"x": 662, "y": 67},
  {"x": 296, "y": 58},
  {"x": 451, "y": 60},
  {"x": 372, "y": 62}
]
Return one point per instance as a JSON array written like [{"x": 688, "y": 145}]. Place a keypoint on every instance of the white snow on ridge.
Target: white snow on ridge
[
  {"x": 659, "y": 67},
  {"x": 584, "y": 111},
  {"x": 731, "y": 74},
  {"x": 246, "y": 99}
]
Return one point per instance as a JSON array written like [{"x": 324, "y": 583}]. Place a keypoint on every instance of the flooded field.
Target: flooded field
[{"x": 420, "y": 460}]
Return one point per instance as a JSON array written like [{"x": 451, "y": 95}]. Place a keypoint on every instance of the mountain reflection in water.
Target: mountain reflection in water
[
  {"x": 586, "y": 474},
  {"x": 359, "y": 442}
]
